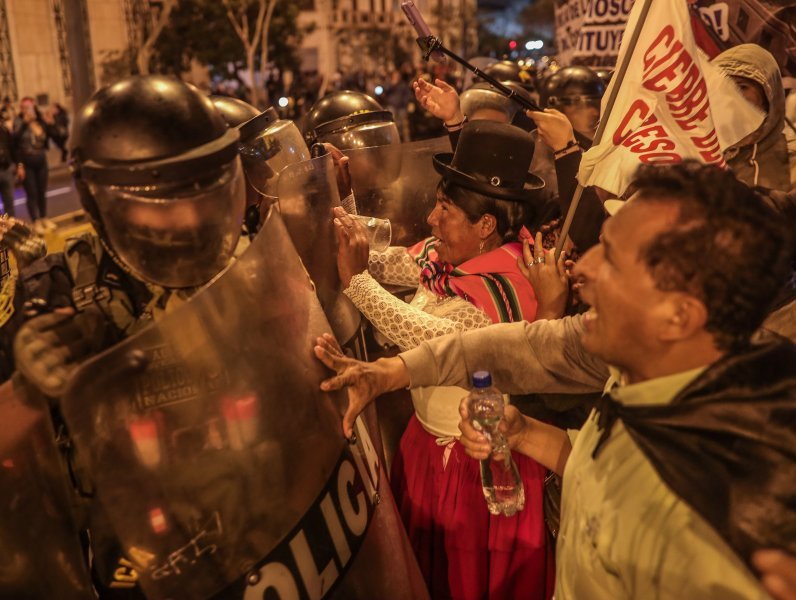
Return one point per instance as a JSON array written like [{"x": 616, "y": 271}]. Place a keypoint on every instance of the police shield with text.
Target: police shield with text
[{"x": 195, "y": 454}]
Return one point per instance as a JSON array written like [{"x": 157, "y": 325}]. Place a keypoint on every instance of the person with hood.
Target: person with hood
[{"x": 766, "y": 158}]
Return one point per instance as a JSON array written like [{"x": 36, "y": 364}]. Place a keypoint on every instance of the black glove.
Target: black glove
[
  {"x": 49, "y": 347},
  {"x": 20, "y": 239}
]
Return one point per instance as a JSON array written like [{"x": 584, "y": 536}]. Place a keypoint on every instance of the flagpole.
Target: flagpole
[{"x": 619, "y": 77}]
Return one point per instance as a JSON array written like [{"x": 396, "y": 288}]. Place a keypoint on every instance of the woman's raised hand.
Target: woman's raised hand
[
  {"x": 554, "y": 128},
  {"x": 440, "y": 99},
  {"x": 547, "y": 276},
  {"x": 364, "y": 380},
  {"x": 352, "y": 246}
]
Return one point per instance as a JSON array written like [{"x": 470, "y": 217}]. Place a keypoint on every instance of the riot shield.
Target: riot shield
[
  {"x": 40, "y": 554},
  {"x": 220, "y": 463},
  {"x": 307, "y": 194},
  {"x": 398, "y": 182}
]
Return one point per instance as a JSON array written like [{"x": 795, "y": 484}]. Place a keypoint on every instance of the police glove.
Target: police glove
[
  {"x": 26, "y": 245},
  {"x": 50, "y": 347}
]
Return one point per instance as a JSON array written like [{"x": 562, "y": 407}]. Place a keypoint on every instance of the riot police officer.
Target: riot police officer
[
  {"x": 576, "y": 92},
  {"x": 158, "y": 173}
]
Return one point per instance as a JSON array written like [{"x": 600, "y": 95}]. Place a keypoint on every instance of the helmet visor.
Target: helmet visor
[
  {"x": 367, "y": 135},
  {"x": 575, "y": 101},
  {"x": 270, "y": 151},
  {"x": 175, "y": 238}
]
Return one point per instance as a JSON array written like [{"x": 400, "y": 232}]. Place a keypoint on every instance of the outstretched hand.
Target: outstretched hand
[
  {"x": 778, "y": 573},
  {"x": 547, "y": 276},
  {"x": 440, "y": 99},
  {"x": 554, "y": 128},
  {"x": 353, "y": 247},
  {"x": 364, "y": 380}
]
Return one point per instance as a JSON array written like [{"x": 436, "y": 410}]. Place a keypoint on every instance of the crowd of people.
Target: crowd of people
[{"x": 651, "y": 364}]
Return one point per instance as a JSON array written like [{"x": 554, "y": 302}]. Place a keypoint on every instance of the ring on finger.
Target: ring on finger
[
  {"x": 529, "y": 264},
  {"x": 538, "y": 260}
]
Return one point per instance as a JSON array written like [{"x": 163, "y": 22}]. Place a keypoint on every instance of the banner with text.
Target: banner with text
[
  {"x": 665, "y": 109},
  {"x": 589, "y": 32},
  {"x": 768, "y": 23}
]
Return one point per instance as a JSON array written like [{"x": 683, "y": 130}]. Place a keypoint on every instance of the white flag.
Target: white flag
[{"x": 672, "y": 104}]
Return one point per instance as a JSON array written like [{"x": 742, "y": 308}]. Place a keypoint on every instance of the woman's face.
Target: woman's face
[
  {"x": 459, "y": 239},
  {"x": 28, "y": 110}
]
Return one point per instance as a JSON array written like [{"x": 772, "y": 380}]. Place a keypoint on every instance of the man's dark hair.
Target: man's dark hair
[
  {"x": 509, "y": 216},
  {"x": 727, "y": 247}
]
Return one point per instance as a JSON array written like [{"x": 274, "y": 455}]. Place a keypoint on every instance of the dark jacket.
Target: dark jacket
[
  {"x": 726, "y": 445},
  {"x": 9, "y": 154},
  {"x": 766, "y": 157}
]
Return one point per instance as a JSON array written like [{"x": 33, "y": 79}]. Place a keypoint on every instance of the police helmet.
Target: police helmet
[
  {"x": 350, "y": 120},
  {"x": 483, "y": 97},
  {"x": 235, "y": 111},
  {"x": 507, "y": 70},
  {"x": 267, "y": 144},
  {"x": 572, "y": 86},
  {"x": 157, "y": 169},
  {"x": 604, "y": 73},
  {"x": 358, "y": 125}
]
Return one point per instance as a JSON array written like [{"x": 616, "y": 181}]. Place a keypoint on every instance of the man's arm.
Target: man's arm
[{"x": 544, "y": 356}]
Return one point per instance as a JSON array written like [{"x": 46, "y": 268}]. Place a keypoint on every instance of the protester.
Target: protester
[
  {"x": 669, "y": 487},
  {"x": 556, "y": 157},
  {"x": 469, "y": 277},
  {"x": 767, "y": 157},
  {"x": 32, "y": 134},
  {"x": 60, "y": 129}
]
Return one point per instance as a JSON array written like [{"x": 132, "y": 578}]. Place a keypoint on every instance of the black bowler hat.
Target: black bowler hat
[{"x": 492, "y": 159}]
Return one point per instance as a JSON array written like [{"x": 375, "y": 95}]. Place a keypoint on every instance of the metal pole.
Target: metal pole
[
  {"x": 616, "y": 84},
  {"x": 431, "y": 43},
  {"x": 80, "y": 60}
]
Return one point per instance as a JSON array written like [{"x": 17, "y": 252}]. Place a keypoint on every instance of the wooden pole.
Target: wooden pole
[{"x": 619, "y": 77}]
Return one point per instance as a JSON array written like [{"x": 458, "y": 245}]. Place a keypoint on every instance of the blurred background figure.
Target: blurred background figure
[
  {"x": 60, "y": 129},
  {"x": 396, "y": 97},
  {"x": 32, "y": 134},
  {"x": 9, "y": 171}
]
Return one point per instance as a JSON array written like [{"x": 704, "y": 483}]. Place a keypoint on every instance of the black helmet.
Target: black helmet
[
  {"x": 482, "y": 96},
  {"x": 235, "y": 111},
  {"x": 267, "y": 143},
  {"x": 570, "y": 86},
  {"x": 157, "y": 170},
  {"x": 350, "y": 120},
  {"x": 507, "y": 70},
  {"x": 357, "y": 124},
  {"x": 604, "y": 73}
]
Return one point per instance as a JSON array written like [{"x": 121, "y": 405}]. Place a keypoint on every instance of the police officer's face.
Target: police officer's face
[{"x": 583, "y": 116}]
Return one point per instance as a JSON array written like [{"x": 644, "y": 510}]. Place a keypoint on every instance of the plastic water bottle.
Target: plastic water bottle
[{"x": 500, "y": 478}]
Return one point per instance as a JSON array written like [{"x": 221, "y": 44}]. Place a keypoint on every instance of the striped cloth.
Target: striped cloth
[{"x": 492, "y": 282}]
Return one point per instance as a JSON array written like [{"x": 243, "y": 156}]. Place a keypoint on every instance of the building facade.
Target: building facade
[{"x": 347, "y": 34}]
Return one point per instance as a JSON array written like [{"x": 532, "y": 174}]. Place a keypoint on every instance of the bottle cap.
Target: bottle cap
[{"x": 482, "y": 379}]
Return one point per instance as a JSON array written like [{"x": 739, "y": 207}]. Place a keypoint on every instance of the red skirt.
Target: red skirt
[{"x": 464, "y": 552}]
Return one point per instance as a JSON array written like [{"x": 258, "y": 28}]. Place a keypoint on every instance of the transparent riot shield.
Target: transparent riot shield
[
  {"x": 398, "y": 182},
  {"x": 307, "y": 194},
  {"x": 40, "y": 553},
  {"x": 221, "y": 465}
]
